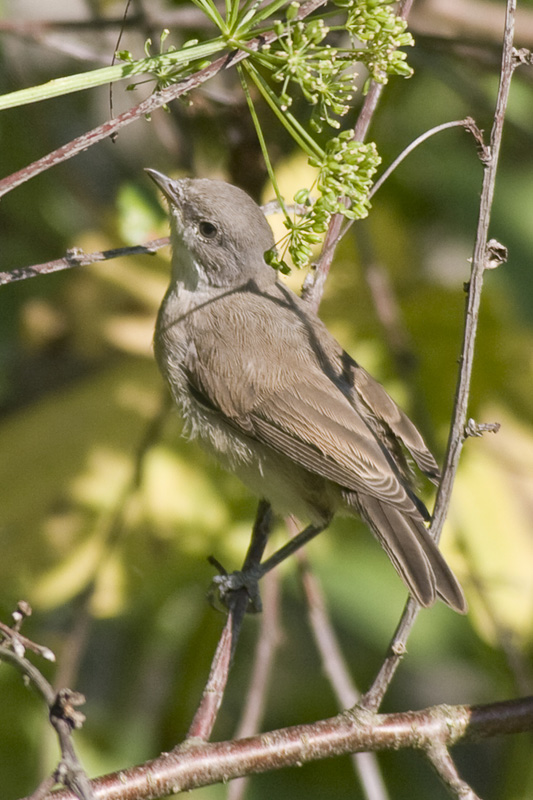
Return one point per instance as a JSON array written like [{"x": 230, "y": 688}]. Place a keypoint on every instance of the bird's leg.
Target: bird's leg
[
  {"x": 225, "y": 584},
  {"x": 260, "y": 531},
  {"x": 288, "y": 549},
  {"x": 253, "y": 570}
]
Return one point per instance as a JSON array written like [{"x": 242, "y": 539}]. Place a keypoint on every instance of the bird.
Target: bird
[{"x": 267, "y": 390}]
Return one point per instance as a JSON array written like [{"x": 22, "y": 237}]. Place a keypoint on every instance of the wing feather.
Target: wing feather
[
  {"x": 301, "y": 396},
  {"x": 383, "y": 407},
  {"x": 289, "y": 393}
]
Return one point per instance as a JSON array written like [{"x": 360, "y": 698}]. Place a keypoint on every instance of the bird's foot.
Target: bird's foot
[{"x": 224, "y": 586}]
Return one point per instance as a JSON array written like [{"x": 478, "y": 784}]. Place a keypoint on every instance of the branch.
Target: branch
[
  {"x": 16, "y": 641},
  {"x": 193, "y": 765},
  {"x": 441, "y": 761},
  {"x": 336, "y": 670},
  {"x": 467, "y": 123},
  {"x": 156, "y": 100},
  {"x": 205, "y": 717},
  {"x": 314, "y": 288},
  {"x": 480, "y": 261},
  {"x": 77, "y": 258},
  {"x": 64, "y": 718},
  {"x": 254, "y": 701},
  {"x": 237, "y": 603}
]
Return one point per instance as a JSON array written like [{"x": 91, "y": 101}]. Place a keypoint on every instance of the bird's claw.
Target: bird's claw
[{"x": 224, "y": 586}]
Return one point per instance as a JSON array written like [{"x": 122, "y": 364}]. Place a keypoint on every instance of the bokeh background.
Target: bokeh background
[{"x": 108, "y": 515}]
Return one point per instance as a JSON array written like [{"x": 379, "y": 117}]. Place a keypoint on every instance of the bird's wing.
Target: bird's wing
[
  {"x": 285, "y": 398},
  {"x": 381, "y": 406},
  {"x": 289, "y": 395},
  {"x": 326, "y": 435}
]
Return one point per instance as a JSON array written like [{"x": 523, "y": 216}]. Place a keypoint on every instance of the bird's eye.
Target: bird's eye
[{"x": 207, "y": 229}]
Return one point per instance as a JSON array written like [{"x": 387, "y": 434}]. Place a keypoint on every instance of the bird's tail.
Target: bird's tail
[{"x": 413, "y": 553}]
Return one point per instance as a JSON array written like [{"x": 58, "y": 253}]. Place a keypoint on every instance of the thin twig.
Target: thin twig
[
  {"x": 20, "y": 643},
  {"x": 204, "y": 719},
  {"x": 77, "y": 258},
  {"x": 43, "y": 789},
  {"x": 336, "y": 670},
  {"x": 442, "y": 763},
  {"x": 267, "y": 644},
  {"x": 238, "y": 602},
  {"x": 156, "y": 100},
  {"x": 465, "y": 123},
  {"x": 265, "y": 651},
  {"x": 28, "y": 669},
  {"x": 372, "y": 699},
  {"x": 64, "y": 718},
  {"x": 203, "y": 764}
]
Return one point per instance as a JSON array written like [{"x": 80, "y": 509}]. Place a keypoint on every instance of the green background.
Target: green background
[{"x": 118, "y": 577}]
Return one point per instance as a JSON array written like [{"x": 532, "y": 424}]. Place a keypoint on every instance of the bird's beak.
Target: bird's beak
[{"x": 170, "y": 188}]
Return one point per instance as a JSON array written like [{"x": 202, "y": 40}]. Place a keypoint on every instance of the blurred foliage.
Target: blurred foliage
[{"x": 110, "y": 547}]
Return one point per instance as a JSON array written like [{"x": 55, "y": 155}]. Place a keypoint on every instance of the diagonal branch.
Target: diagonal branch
[
  {"x": 156, "y": 100},
  {"x": 489, "y": 156},
  {"x": 237, "y": 603},
  {"x": 64, "y": 718},
  {"x": 77, "y": 258},
  {"x": 194, "y": 765},
  {"x": 336, "y": 670}
]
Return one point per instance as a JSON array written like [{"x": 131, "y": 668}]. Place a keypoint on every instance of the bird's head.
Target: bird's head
[{"x": 219, "y": 235}]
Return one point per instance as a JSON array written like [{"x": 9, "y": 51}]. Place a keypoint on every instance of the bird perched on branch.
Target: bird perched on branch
[{"x": 264, "y": 386}]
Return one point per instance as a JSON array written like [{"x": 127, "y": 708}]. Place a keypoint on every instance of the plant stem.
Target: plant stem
[
  {"x": 290, "y": 123},
  {"x": 212, "y": 12},
  {"x": 261, "y": 138},
  {"x": 99, "y": 77},
  {"x": 373, "y": 698}
]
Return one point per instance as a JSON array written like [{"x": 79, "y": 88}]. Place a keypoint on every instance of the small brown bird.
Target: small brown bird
[{"x": 264, "y": 386}]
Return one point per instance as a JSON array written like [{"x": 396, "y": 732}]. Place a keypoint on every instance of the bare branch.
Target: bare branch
[
  {"x": 237, "y": 602},
  {"x": 64, "y": 718},
  {"x": 156, "y": 100},
  {"x": 43, "y": 789},
  {"x": 441, "y": 761},
  {"x": 28, "y": 669},
  {"x": 465, "y": 123},
  {"x": 77, "y": 258},
  {"x": 267, "y": 644},
  {"x": 374, "y": 696},
  {"x": 16, "y": 641},
  {"x": 476, "y": 429},
  {"x": 205, "y": 717},
  {"x": 338, "y": 674},
  {"x": 194, "y": 765}
]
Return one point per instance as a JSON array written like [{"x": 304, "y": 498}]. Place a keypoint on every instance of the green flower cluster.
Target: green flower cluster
[
  {"x": 317, "y": 69},
  {"x": 318, "y": 57},
  {"x": 345, "y": 173},
  {"x": 325, "y": 74},
  {"x": 374, "y": 23},
  {"x": 163, "y": 66}
]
